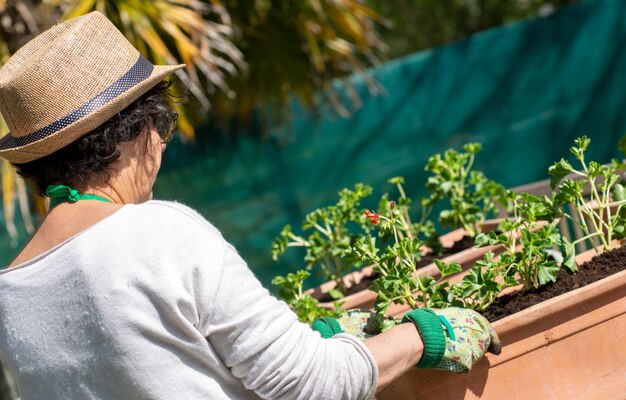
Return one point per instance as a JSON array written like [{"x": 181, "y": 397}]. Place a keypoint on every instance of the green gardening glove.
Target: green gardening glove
[{"x": 454, "y": 338}]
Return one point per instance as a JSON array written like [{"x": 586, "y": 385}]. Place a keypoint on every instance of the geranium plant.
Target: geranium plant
[
  {"x": 471, "y": 197},
  {"x": 329, "y": 238},
  {"x": 306, "y": 307},
  {"x": 398, "y": 223},
  {"x": 601, "y": 213},
  {"x": 534, "y": 263},
  {"x": 396, "y": 263}
]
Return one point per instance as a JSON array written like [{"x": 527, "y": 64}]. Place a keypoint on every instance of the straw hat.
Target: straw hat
[{"x": 68, "y": 81}]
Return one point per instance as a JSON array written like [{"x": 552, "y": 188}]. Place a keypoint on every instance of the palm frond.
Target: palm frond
[
  {"x": 192, "y": 31},
  {"x": 298, "y": 48}
]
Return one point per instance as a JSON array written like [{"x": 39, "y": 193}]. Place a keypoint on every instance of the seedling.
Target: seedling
[
  {"x": 399, "y": 282},
  {"x": 330, "y": 237},
  {"x": 601, "y": 215},
  {"x": 532, "y": 263},
  {"x": 471, "y": 197},
  {"x": 306, "y": 307},
  {"x": 397, "y": 223}
]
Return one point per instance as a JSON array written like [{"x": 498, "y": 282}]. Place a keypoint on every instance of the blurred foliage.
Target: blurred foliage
[
  {"x": 296, "y": 48},
  {"x": 420, "y": 24}
]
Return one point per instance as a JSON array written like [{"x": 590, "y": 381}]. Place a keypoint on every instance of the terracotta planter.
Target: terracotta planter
[
  {"x": 568, "y": 347},
  {"x": 366, "y": 298}
]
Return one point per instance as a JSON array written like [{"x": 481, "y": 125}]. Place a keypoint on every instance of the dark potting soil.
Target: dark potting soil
[
  {"x": 597, "y": 268},
  {"x": 464, "y": 243}
]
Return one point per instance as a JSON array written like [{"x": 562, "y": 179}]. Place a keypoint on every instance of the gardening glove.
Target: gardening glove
[
  {"x": 357, "y": 323},
  {"x": 454, "y": 338}
]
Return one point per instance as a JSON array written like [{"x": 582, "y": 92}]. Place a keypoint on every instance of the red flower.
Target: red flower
[
  {"x": 392, "y": 204},
  {"x": 372, "y": 217}
]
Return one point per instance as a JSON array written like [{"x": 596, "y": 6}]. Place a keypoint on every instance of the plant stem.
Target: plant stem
[
  {"x": 596, "y": 195},
  {"x": 587, "y": 237},
  {"x": 469, "y": 228},
  {"x": 583, "y": 224},
  {"x": 401, "y": 191},
  {"x": 595, "y": 218},
  {"x": 324, "y": 231},
  {"x": 339, "y": 270},
  {"x": 327, "y": 267},
  {"x": 470, "y": 164},
  {"x": 297, "y": 241}
]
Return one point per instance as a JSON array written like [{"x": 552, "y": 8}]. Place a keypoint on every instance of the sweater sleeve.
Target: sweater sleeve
[{"x": 264, "y": 345}]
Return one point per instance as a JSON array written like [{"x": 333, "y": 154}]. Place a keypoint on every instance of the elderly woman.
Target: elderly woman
[{"x": 117, "y": 296}]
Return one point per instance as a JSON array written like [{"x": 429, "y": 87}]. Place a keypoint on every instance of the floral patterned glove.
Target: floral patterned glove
[
  {"x": 354, "y": 322},
  {"x": 454, "y": 338}
]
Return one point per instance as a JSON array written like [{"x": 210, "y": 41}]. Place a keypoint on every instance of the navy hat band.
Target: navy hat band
[{"x": 140, "y": 71}]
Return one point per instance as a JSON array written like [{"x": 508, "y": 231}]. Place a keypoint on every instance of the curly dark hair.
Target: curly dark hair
[{"x": 91, "y": 155}]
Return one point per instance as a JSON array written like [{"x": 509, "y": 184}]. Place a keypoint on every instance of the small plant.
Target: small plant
[
  {"x": 398, "y": 222},
  {"x": 330, "y": 237},
  {"x": 601, "y": 214},
  {"x": 471, "y": 196},
  {"x": 533, "y": 263},
  {"x": 527, "y": 258},
  {"x": 480, "y": 287},
  {"x": 399, "y": 282},
  {"x": 306, "y": 307}
]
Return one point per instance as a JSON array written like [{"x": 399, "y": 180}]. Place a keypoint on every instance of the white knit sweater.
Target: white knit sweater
[{"x": 152, "y": 303}]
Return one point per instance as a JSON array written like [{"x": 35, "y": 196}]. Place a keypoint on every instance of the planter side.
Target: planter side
[{"x": 571, "y": 346}]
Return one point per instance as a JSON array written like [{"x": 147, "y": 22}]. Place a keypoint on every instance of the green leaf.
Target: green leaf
[
  {"x": 570, "y": 191},
  {"x": 569, "y": 261},
  {"x": 482, "y": 240},
  {"x": 558, "y": 171},
  {"x": 547, "y": 273},
  {"x": 381, "y": 304},
  {"x": 335, "y": 294},
  {"x": 447, "y": 269},
  {"x": 619, "y": 194},
  {"x": 582, "y": 143},
  {"x": 396, "y": 180},
  {"x": 510, "y": 280},
  {"x": 472, "y": 148}
]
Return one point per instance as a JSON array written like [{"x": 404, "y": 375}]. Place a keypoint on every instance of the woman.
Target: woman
[{"x": 117, "y": 296}]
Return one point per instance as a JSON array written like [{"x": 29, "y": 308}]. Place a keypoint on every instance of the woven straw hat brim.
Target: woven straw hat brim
[{"x": 63, "y": 137}]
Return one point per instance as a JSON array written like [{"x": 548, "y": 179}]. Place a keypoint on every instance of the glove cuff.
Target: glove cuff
[
  {"x": 327, "y": 327},
  {"x": 429, "y": 327}
]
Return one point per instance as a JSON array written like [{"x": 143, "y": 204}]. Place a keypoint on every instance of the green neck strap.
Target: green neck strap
[{"x": 62, "y": 194}]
